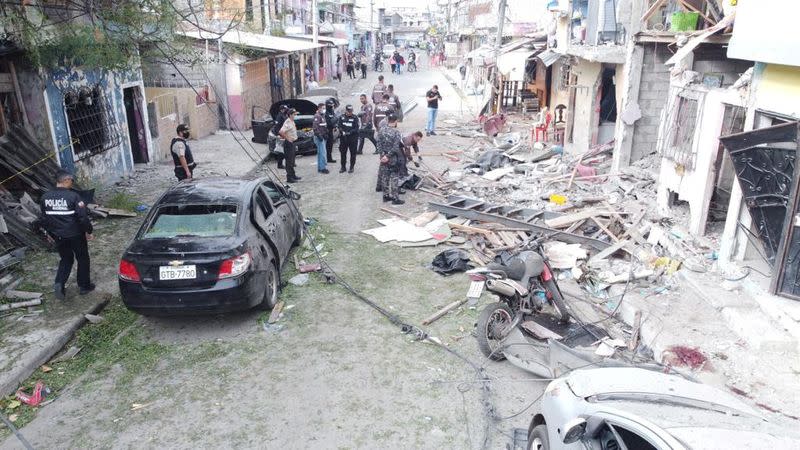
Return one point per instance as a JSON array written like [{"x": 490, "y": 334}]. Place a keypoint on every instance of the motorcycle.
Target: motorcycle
[
  {"x": 524, "y": 284},
  {"x": 412, "y": 66}
]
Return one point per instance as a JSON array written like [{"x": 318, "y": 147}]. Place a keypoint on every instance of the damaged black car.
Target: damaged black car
[
  {"x": 211, "y": 245},
  {"x": 306, "y": 109}
]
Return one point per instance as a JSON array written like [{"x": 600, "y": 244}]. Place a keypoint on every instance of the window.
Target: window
[
  {"x": 192, "y": 220},
  {"x": 92, "y": 126},
  {"x": 614, "y": 437},
  {"x": 248, "y": 10},
  {"x": 679, "y": 138}
]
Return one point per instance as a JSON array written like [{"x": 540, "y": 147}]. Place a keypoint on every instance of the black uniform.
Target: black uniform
[
  {"x": 174, "y": 149},
  {"x": 66, "y": 220},
  {"x": 367, "y": 129},
  {"x": 348, "y": 139},
  {"x": 273, "y": 137},
  {"x": 330, "y": 122}
]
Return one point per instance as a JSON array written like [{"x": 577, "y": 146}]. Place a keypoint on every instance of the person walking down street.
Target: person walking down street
[
  {"x": 367, "y": 131},
  {"x": 320, "y": 129},
  {"x": 364, "y": 68},
  {"x": 330, "y": 122},
  {"x": 394, "y": 101},
  {"x": 348, "y": 139},
  {"x": 392, "y": 62},
  {"x": 289, "y": 134},
  {"x": 433, "y": 97},
  {"x": 392, "y": 156},
  {"x": 273, "y": 139},
  {"x": 182, "y": 154},
  {"x": 378, "y": 90},
  {"x": 349, "y": 65},
  {"x": 338, "y": 70},
  {"x": 65, "y": 219}
]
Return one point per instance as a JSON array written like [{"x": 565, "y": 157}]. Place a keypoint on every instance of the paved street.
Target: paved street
[{"x": 333, "y": 373}]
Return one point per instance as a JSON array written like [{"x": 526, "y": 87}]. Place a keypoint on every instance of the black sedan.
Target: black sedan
[
  {"x": 211, "y": 245},
  {"x": 306, "y": 109}
]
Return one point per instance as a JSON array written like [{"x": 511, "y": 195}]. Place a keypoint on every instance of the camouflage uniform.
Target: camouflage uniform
[{"x": 390, "y": 145}]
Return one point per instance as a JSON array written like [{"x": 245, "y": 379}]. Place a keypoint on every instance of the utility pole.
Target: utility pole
[
  {"x": 372, "y": 41},
  {"x": 501, "y": 20},
  {"x": 315, "y": 34}
]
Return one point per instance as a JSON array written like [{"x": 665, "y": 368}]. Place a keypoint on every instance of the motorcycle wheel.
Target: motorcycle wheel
[
  {"x": 558, "y": 300},
  {"x": 491, "y": 323}
]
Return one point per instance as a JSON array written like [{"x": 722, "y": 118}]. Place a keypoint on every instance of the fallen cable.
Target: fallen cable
[{"x": 16, "y": 432}]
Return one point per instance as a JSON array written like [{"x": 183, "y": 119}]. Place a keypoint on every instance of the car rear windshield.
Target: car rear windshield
[{"x": 192, "y": 220}]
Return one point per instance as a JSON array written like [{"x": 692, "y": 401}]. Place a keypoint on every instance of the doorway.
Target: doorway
[
  {"x": 608, "y": 105},
  {"x": 136, "y": 129}
]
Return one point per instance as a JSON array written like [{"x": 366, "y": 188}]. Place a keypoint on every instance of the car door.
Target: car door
[
  {"x": 270, "y": 224},
  {"x": 284, "y": 204}
]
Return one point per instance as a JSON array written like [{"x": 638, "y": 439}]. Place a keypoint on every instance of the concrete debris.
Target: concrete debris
[{"x": 299, "y": 280}]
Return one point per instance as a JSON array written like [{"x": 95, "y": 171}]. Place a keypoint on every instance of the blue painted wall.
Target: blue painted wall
[{"x": 111, "y": 165}]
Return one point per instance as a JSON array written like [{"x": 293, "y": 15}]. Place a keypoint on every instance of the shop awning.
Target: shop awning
[
  {"x": 323, "y": 39},
  {"x": 549, "y": 57},
  {"x": 253, "y": 40},
  {"x": 512, "y": 64}
]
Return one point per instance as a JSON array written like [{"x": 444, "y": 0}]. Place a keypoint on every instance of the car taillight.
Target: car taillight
[
  {"x": 477, "y": 277},
  {"x": 128, "y": 272},
  {"x": 234, "y": 266}
]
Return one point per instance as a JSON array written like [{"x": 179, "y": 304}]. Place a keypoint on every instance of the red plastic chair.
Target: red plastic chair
[{"x": 542, "y": 129}]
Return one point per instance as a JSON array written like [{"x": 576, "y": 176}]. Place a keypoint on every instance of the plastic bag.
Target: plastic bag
[{"x": 451, "y": 261}]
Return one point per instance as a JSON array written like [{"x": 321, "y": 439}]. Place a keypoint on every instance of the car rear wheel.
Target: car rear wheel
[
  {"x": 272, "y": 287},
  {"x": 537, "y": 440}
]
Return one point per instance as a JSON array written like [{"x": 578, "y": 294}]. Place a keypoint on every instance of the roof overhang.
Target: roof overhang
[
  {"x": 549, "y": 57},
  {"x": 265, "y": 42},
  {"x": 512, "y": 64},
  {"x": 327, "y": 40}
]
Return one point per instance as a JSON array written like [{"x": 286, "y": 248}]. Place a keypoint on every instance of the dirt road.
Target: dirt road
[{"x": 332, "y": 373}]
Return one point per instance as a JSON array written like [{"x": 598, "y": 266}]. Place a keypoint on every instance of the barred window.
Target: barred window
[
  {"x": 677, "y": 143},
  {"x": 92, "y": 125}
]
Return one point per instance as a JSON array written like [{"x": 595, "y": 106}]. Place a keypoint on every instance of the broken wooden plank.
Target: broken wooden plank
[
  {"x": 276, "y": 312},
  {"x": 565, "y": 220},
  {"x": 539, "y": 331},
  {"x": 439, "y": 314},
  {"x": 469, "y": 229},
  {"x": 25, "y": 304},
  {"x": 395, "y": 213},
  {"x": 605, "y": 229},
  {"x": 21, "y": 295},
  {"x": 627, "y": 276},
  {"x": 609, "y": 251},
  {"x": 637, "y": 328},
  {"x": 428, "y": 191},
  {"x": 652, "y": 10}
]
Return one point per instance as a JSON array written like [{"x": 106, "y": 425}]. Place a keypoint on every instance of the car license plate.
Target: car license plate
[
  {"x": 475, "y": 289},
  {"x": 177, "y": 272}
]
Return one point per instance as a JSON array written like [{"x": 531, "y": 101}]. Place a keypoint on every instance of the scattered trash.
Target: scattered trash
[
  {"x": 37, "y": 396},
  {"x": 275, "y": 314},
  {"x": 46, "y": 369},
  {"x": 138, "y": 406},
  {"x": 451, "y": 261},
  {"x": 142, "y": 208},
  {"x": 307, "y": 268},
  {"x": 94, "y": 319},
  {"x": 299, "y": 280}
]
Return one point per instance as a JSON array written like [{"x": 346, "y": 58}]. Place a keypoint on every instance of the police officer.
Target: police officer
[
  {"x": 392, "y": 157},
  {"x": 382, "y": 110},
  {"x": 378, "y": 90},
  {"x": 348, "y": 139},
  {"x": 330, "y": 122},
  {"x": 367, "y": 131},
  {"x": 272, "y": 139},
  {"x": 66, "y": 221},
  {"x": 394, "y": 100},
  {"x": 182, "y": 154}
]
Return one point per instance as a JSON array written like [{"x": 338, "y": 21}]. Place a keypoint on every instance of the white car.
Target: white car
[
  {"x": 388, "y": 50},
  {"x": 637, "y": 409}
]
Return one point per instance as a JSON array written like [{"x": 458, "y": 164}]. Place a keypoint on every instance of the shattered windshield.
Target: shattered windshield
[{"x": 192, "y": 220}]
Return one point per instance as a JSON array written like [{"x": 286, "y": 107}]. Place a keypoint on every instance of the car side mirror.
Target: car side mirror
[{"x": 574, "y": 430}]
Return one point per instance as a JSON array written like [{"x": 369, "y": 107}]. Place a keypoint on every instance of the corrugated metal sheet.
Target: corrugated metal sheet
[
  {"x": 253, "y": 40},
  {"x": 549, "y": 57}
]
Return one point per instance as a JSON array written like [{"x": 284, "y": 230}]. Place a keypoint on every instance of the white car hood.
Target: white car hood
[
  {"x": 632, "y": 382},
  {"x": 698, "y": 438}
]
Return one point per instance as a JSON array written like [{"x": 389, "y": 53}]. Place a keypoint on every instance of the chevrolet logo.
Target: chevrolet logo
[{"x": 176, "y": 263}]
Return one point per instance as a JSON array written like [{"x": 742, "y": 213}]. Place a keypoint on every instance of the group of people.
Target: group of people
[{"x": 353, "y": 61}]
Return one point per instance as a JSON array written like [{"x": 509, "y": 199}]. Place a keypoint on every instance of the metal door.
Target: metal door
[{"x": 765, "y": 161}]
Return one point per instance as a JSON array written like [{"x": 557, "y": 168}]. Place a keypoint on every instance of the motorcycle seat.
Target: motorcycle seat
[{"x": 515, "y": 269}]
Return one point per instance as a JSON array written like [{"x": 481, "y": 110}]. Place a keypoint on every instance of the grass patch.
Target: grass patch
[
  {"x": 102, "y": 348},
  {"x": 122, "y": 200}
]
